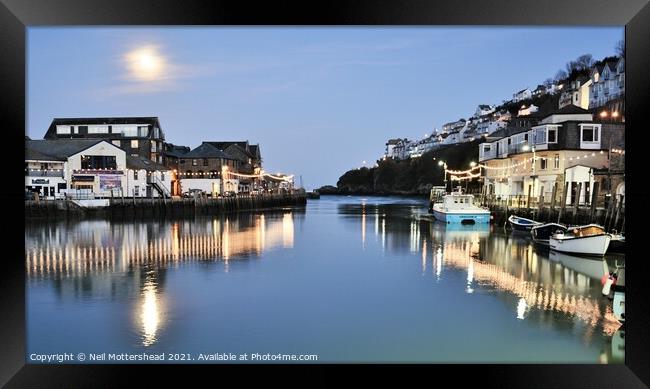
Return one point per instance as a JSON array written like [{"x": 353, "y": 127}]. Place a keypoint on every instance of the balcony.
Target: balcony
[{"x": 43, "y": 173}]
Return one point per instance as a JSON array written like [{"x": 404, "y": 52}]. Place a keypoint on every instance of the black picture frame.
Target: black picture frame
[{"x": 17, "y": 15}]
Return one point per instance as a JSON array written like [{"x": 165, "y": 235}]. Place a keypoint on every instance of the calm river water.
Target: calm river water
[{"x": 346, "y": 278}]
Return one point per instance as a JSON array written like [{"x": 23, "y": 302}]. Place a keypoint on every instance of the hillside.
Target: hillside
[{"x": 409, "y": 177}]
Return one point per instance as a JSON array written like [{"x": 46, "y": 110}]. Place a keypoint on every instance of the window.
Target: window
[
  {"x": 117, "y": 143},
  {"x": 92, "y": 162},
  {"x": 135, "y": 174},
  {"x": 542, "y": 163},
  {"x": 487, "y": 148},
  {"x": 182, "y": 161},
  {"x": 153, "y": 147},
  {"x": 195, "y": 162},
  {"x": 136, "y": 191},
  {"x": 98, "y": 129},
  {"x": 556, "y": 161},
  {"x": 205, "y": 162},
  {"x": 134, "y": 144},
  {"x": 162, "y": 176},
  {"x": 63, "y": 129},
  {"x": 131, "y": 131},
  {"x": 552, "y": 135},
  {"x": 142, "y": 131},
  {"x": 83, "y": 129},
  {"x": 590, "y": 133}
]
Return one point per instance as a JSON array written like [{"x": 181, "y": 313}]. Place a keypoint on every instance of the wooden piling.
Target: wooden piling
[{"x": 594, "y": 198}]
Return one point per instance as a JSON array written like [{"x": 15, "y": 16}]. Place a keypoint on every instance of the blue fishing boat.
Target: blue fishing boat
[{"x": 459, "y": 208}]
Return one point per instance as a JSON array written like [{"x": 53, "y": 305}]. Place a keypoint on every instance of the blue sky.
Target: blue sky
[{"x": 318, "y": 100}]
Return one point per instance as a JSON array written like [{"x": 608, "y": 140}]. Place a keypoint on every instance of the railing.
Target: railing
[
  {"x": 43, "y": 173},
  {"x": 602, "y": 201},
  {"x": 152, "y": 179}
]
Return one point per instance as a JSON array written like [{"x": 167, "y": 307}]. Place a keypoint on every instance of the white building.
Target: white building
[
  {"x": 607, "y": 83},
  {"x": 522, "y": 95},
  {"x": 576, "y": 93},
  {"x": 484, "y": 109},
  {"x": 92, "y": 167},
  {"x": 527, "y": 110}
]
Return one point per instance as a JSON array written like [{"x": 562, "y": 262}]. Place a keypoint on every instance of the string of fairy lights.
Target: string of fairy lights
[
  {"x": 187, "y": 174},
  {"x": 460, "y": 175}
]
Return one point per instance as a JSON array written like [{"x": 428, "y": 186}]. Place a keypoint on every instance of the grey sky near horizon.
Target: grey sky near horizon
[{"x": 319, "y": 101}]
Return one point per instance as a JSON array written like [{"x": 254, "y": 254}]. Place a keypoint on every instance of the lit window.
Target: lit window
[
  {"x": 556, "y": 161},
  {"x": 195, "y": 162},
  {"x": 134, "y": 144}
]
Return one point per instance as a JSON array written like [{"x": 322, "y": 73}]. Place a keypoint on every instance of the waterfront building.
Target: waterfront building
[
  {"x": 559, "y": 151},
  {"x": 145, "y": 178},
  {"x": 207, "y": 168},
  {"x": 250, "y": 161},
  {"x": 91, "y": 167},
  {"x": 55, "y": 167},
  {"x": 173, "y": 154},
  {"x": 137, "y": 136}
]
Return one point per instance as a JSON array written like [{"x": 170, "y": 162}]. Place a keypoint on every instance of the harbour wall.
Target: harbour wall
[{"x": 159, "y": 207}]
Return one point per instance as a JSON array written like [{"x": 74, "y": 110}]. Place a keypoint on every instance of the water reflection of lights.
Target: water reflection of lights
[
  {"x": 536, "y": 295},
  {"x": 439, "y": 262},
  {"x": 150, "y": 314},
  {"x": 521, "y": 308},
  {"x": 224, "y": 241}
]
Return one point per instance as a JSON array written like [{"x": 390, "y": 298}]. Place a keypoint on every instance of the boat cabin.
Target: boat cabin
[{"x": 458, "y": 201}]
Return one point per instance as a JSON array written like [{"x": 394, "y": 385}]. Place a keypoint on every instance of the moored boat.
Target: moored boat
[
  {"x": 590, "y": 239},
  {"x": 617, "y": 244},
  {"x": 542, "y": 233},
  {"x": 521, "y": 223},
  {"x": 460, "y": 208}
]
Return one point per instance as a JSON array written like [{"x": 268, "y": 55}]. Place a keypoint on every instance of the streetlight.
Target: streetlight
[{"x": 444, "y": 165}]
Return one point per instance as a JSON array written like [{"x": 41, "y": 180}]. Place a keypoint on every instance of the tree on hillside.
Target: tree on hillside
[
  {"x": 620, "y": 48},
  {"x": 582, "y": 63},
  {"x": 548, "y": 82},
  {"x": 560, "y": 75}
]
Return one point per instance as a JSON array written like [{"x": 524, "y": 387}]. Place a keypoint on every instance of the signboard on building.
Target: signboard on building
[
  {"x": 40, "y": 181},
  {"x": 107, "y": 182}
]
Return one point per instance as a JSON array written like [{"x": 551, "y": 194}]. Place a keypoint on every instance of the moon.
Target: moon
[{"x": 145, "y": 63}]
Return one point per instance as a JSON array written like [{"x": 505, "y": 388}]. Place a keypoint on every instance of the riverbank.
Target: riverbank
[{"x": 158, "y": 207}]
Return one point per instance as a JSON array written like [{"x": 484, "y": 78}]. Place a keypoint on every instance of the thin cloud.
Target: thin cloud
[{"x": 146, "y": 70}]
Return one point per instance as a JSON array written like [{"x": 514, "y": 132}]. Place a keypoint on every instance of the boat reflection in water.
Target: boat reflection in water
[
  {"x": 350, "y": 279},
  {"x": 562, "y": 286},
  {"x": 101, "y": 259}
]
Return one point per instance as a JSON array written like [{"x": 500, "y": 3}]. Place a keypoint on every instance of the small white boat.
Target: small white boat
[
  {"x": 543, "y": 232},
  {"x": 522, "y": 224},
  {"x": 460, "y": 208},
  {"x": 590, "y": 239}
]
